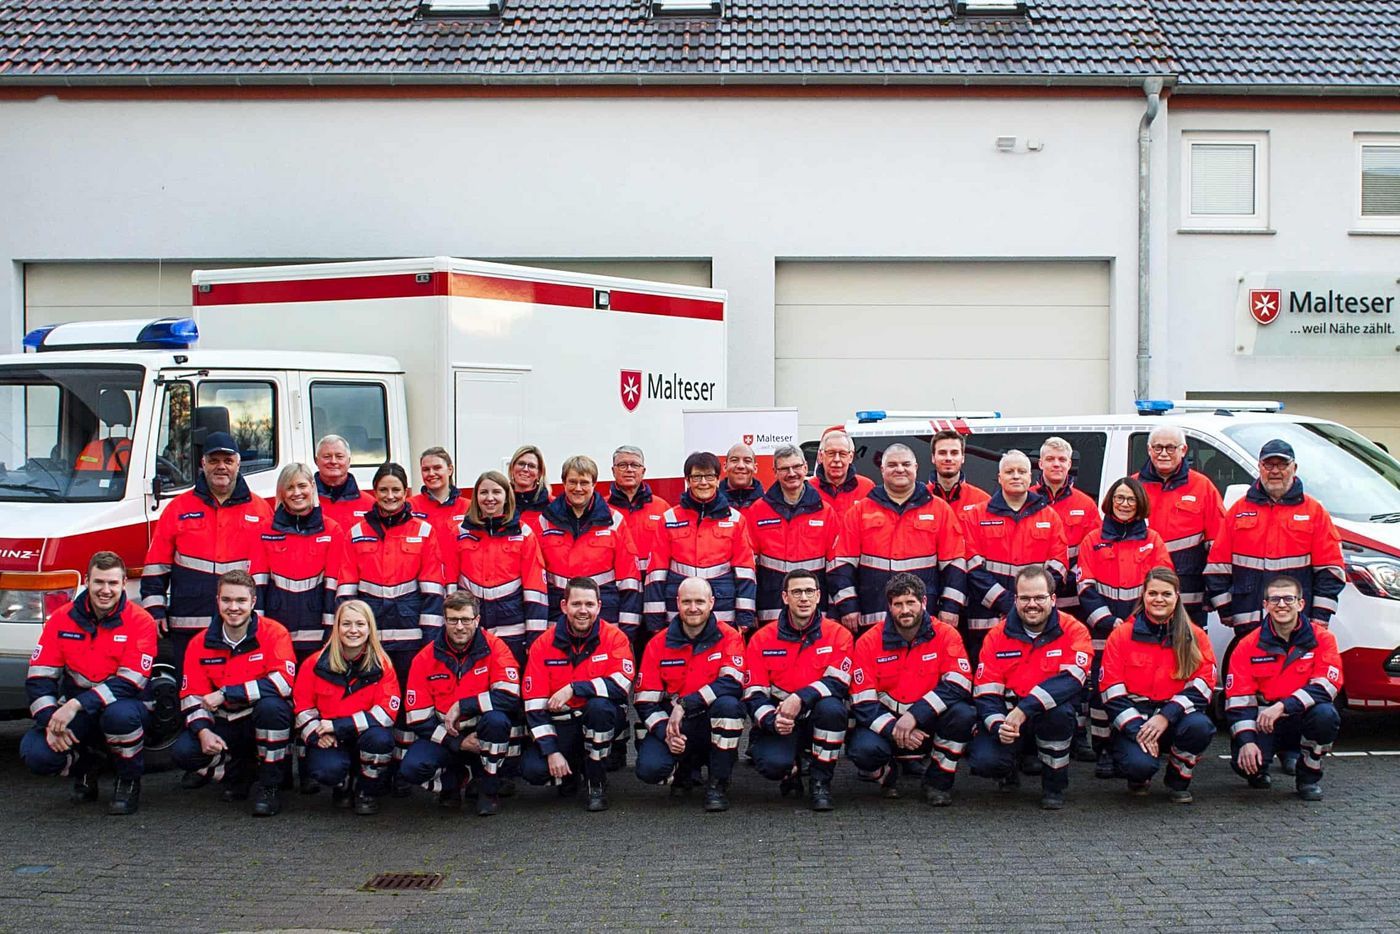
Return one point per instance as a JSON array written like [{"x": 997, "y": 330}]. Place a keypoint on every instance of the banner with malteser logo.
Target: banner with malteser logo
[{"x": 1318, "y": 314}]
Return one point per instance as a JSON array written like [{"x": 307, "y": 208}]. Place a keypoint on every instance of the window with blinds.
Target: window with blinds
[
  {"x": 1380, "y": 179},
  {"x": 1225, "y": 182}
]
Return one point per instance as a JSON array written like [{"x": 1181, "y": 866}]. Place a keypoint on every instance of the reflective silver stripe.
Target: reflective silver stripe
[
  {"x": 432, "y": 588},
  {"x": 881, "y": 722},
  {"x": 388, "y": 591},
  {"x": 1326, "y": 685},
  {"x": 155, "y": 570},
  {"x": 399, "y": 635},
  {"x": 419, "y": 715},
  {"x": 294, "y": 585},
  {"x": 44, "y": 671},
  {"x": 708, "y": 693},
  {"x": 1115, "y": 593},
  {"x": 1243, "y": 700},
  {"x": 1189, "y": 541},
  {"x": 763, "y": 711},
  {"x": 489, "y": 593},
  {"x": 648, "y": 697},
  {"x": 381, "y": 716},
  {"x": 898, "y": 564},
  {"x": 42, "y": 703},
  {"x": 691, "y": 570},
  {"x": 188, "y": 622},
  {"x": 602, "y": 578},
  {"x": 1126, "y": 717},
  {"x": 209, "y": 567},
  {"x": 1000, "y": 567},
  {"x": 843, "y": 676},
  {"x": 1114, "y": 691},
  {"x": 934, "y": 701},
  {"x": 508, "y": 631},
  {"x": 1271, "y": 564},
  {"x": 778, "y": 564},
  {"x": 889, "y": 703},
  {"x": 81, "y": 680},
  {"x": 990, "y": 687},
  {"x": 1241, "y": 726},
  {"x": 958, "y": 678},
  {"x": 105, "y": 693},
  {"x": 1043, "y": 696}
]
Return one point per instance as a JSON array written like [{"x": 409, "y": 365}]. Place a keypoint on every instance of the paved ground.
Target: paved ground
[{"x": 1237, "y": 860}]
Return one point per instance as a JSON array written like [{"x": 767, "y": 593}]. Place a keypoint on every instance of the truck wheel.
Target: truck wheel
[{"x": 166, "y": 722}]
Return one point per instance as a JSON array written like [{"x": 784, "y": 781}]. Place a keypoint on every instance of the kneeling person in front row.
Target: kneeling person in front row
[
  {"x": 1029, "y": 677},
  {"x": 799, "y": 679},
  {"x": 1281, "y": 691},
  {"x": 910, "y": 686},
  {"x": 1156, "y": 679},
  {"x": 85, "y": 681},
  {"x": 577, "y": 677},
  {"x": 463, "y": 694},
  {"x": 236, "y": 697},
  {"x": 688, "y": 698}
]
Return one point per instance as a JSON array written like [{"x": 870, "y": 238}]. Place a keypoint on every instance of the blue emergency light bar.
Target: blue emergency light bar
[
  {"x": 866, "y": 416},
  {"x": 134, "y": 334},
  {"x": 1163, "y": 406}
]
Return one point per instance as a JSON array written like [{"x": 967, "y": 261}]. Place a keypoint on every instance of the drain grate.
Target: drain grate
[{"x": 403, "y": 882}]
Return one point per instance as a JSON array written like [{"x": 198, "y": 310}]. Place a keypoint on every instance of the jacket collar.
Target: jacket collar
[
  {"x": 1293, "y": 497},
  {"x": 948, "y": 496},
  {"x": 1144, "y": 630},
  {"x": 619, "y": 499},
  {"x": 576, "y": 649},
  {"x": 214, "y": 636},
  {"x": 240, "y": 495},
  {"x": 533, "y": 501},
  {"x": 452, "y": 494},
  {"x": 1035, "y": 502},
  {"x": 919, "y": 497},
  {"x": 561, "y": 514},
  {"x": 1148, "y": 474},
  {"x": 1044, "y": 490},
  {"x": 811, "y": 501},
  {"x": 1115, "y": 531},
  {"x": 497, "y": 525},
  {"x": 81, "y": 613},
  {"x": 742, "y": 498},
  {"x": 717, "y": 508},
  {"x": 891, "y": 639},
  {"x": 348, "y": 490},
  {"x": 354, "y": 678},
  {"x": 677, "y": 639},
  {"x": 788, "y": 633},
  {"x": 382, "y": 524},
  {"x": 1017, "y": 629},
  {"x": 309, "y": 524},
  {"x": 832, "y": 489},
  {"x": 458, "y": 664},
  {"x": 1303, "y": 639}
]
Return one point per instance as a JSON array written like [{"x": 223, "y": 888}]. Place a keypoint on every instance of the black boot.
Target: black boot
[
  {"x": 341, "y": 795},
  {"x": 1082, "y": 750},
  {"x": 235, "y": 789},
  {"x": 1105, "y": 766},
  {"x": 84, "y": 788},
  {"x": 791, "y": 785},
  {"x": 126, "y": 797},
  {"x": 617, "y": 756},
  {"x": 597, "y": 796},
  {"x": 487, "y": 805},
  {"x": 1030, "y": 764},
  {"x": 192, "y": 780},
  {"x": 366, "y": 804},
  {"x": 821, "y": 795},
  {"x": 267, "y": 802},
  {"x": 715, "y": 798}
]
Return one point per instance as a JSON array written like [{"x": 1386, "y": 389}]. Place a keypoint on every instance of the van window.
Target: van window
[
  {"x": 248, "y": 411},
  {"x": 358, "y": 412},
  {"x": 174, "y": 451},
  {"x": 1222, "y": 469}
]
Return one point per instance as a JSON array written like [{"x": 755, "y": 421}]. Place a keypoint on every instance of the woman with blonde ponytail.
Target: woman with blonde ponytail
[{"x": 1156, "y": 681}]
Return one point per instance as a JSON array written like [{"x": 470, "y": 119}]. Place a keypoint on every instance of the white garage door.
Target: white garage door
[
  {"x": 1022, "y": 338},
  {"x": 58, "y": 292},
  {"x": 1373, "y": 414}
]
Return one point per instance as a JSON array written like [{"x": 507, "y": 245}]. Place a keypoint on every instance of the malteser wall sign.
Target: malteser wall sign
[{"x": 1318, "y": 314}]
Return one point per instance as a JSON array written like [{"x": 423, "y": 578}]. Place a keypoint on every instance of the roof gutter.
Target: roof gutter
[{"x": 1299, "y": 90}]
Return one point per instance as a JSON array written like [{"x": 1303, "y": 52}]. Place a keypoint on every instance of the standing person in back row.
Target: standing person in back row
[
  {"x": 792, "y": 528},
  {"x": 632, "y": 496},
  {"x": 438, "y": 500},
  {"x": 528, "y": 484},
  {"x": 1186, "y": 512},
  {"x": 1078, "y": 513},
  {"x": 949, "y": 449},
  {"x": 339, "y": 495},
  {"x": 836, "y": 478},
  {"x": 741, "y": 484}
]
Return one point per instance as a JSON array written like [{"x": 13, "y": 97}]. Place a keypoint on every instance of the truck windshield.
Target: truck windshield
[
  {"x": 1348, "y": 474},
  {"x": 65, "y": 431}
]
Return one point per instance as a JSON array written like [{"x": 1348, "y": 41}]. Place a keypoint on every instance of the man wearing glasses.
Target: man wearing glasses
[
  {"x": 1186, "y": 512},
  {"x": 799, "y": 679},
  {"x": 792, "y": 528},
  {"x": 1281, "y": 690},
  {"x": 836, "y": 479},
  {"x": 1029, "y": 677},
  {"x": 632, "y": 496}
]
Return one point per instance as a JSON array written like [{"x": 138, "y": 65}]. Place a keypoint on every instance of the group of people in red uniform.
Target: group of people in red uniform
[{"x": 383, "y": 639}]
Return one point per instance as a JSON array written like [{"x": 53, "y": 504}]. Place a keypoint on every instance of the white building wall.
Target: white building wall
[{"x": 742, "y": 182}]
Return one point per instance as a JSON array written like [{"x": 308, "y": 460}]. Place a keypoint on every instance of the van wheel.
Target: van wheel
[{"x": 166, "y": 722}]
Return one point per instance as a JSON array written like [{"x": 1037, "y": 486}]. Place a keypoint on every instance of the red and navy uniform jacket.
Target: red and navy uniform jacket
[
  {"x": 353, "y": 700},
  {"x": 709, "y": 540},
  {"x": 298, "y": 566},
  {"x": 483, "y": 677},
  {"x": 644, "y": 514},
  {"x": 595, "y": 545},
  {"x": 1034, "y": 673},
  {"x": 923, "y": 677},
  {"x": 345, "y": 504},
  {"x": 106, "y": 454},
  {"x": 1113, "y": 561},
  {"x": 598, "y": 665},
  {"x": 742, "y": 499},
  {"x": 528, "y": 506},
  {"x": 786, "y": 538},
  {"x": 393, "y": 564},
  {"x": 1302, "y": 671},
  {"x": 195, "y": 541},
  {"x": 1139, "y": 671},
  {"x": 1259, "y": 540},
  {"x": 880, "y": 539},
  {"x": 1000, "y": 542},
  {"x": 844, "y": 495},
  {"x": 446, "y": 516},
  {"x": 812, "y": 663},
  {"x": 1079, "y": 515},
  {"x": 97, "y": 660},
  {"x": 691, "y": 671},
  {"x": 1186, "y": 512},
  {"x": 961, "y": 498},
  {"x": 499, "y": 561},
  {"x": 262, "y": 665}
]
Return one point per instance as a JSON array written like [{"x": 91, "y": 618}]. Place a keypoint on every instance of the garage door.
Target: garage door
[
  {"x": 1022, "y": 338},
  {"x": 58, "y": 292},
  {"x": 1373, "y": 414}
]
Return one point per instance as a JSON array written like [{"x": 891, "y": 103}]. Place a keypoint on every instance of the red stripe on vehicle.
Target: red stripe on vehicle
[
  {"x": 670, "y": 306},
  {"x": 466, "y": 285},
  {"x": 342, "y": 289}
]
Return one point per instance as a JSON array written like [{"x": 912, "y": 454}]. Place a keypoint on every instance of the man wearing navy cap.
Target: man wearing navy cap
[{"x": 1274, "y": 530}]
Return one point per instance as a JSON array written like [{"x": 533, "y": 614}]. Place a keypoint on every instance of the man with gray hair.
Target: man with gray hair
[
  {"x": 792, "y": 528},
  {"x": 632, "y": 496},
  {"x": 340, "y": 496},
  {"x": 900, "y": 526},
  {"x": 836, "y": 479},
  {"x": 1078, "y": 513},
  {"x": 1186, "y": 512}
]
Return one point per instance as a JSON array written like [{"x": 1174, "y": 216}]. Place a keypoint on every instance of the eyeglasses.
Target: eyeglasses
[
  {"x": 839, "y": 455},
  {"x": 704, "y": 478},
  {"x": 1164, "y": 448},
  {"x": 627, "y": 465},
  {"x": 460, "y": 620},
  {"x": 1033, "y": 598},
  {"x": 1127, "y": 499},
  {"x": 1283, "y": 599},
  {"x": 803, "y": 592},
  {"x": 795, "y": 468},
  {"x": 525, "y": 465}
]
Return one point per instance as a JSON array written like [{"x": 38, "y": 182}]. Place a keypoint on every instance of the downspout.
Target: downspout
[{"x": 1152, "y": 87}]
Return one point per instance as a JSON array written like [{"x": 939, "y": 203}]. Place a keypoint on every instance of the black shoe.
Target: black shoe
[
  {"x": 450, "y": 794},
  {"x": 1081, "y": 750},
  {"x": 235, "y": 790},
  {"x": 681, "y": 785},
  {"x": 506, "y": 788},
  {"x": 804, "y": 766},
  {"x": 268, "y": 801},
  {"x": 401, "y": 788},
  {"x": 366, "y": 804},
  {"x": 487, "y": 805},
  {"x": 1288, "y": 762},
  {"x": 1010, "y": 782},
  {"x": 889, "y": 782},
  {"x": 84, "y": 788},
  {"x": 617, "y": 757},
  {"x": 1031, "y": 764},
  {"x": 1139, "y": 789},
  {"x": 341, "y": 796},
  {"x": 790, "y": 786},
  {"x": 1310, "y": 792},
  {"x": 715, "y": 798},
  {"x": 912, "y": 768},
  {"x": 308, "y": 785},
  {"x": 1180, "y": 796},
  {"x": 1052, "y": 800},
  {"x": 937, "y": 797},
  {"x": 126, "y": 797},
  {"x": 192, "y": 780},
  {"x": 568, "y": 786},
  {"x": 821, "y": 795},
  {"x": 1260, "y": 780},
  {"x": 1105, "y": 767},
  {"x": 597, "y": 797}
]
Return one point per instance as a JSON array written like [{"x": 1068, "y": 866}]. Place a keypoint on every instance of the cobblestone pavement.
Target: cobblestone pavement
[{"x": 1238, "y": 859}]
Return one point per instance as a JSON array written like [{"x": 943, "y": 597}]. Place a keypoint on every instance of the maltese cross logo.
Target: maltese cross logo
[
  {"x": 630, "y": 385},
  {"x": 1264, "y": 305}
]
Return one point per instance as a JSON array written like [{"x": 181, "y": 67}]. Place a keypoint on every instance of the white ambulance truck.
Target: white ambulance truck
[{"x": 101, "y": 422}]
